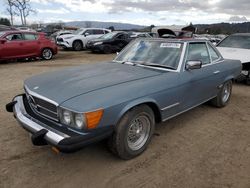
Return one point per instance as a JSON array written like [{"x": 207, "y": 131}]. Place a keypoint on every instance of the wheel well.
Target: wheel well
[
  {"x": 246, "y": 66},
  {"x": 77, "y": 40},
  {"x": 156, "y": 111},
  {"x": 47, "y": 48},
  {"x": 153, "y": 107}
]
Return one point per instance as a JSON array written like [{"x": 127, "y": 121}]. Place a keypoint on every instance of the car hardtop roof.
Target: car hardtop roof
[
  {"x": 18, "y": 31},
  {"x": 85, "y": 28},
  {"x": 241, "y": 34},
  {"x": 119, "y": 32},
  {"x": 188, "y": 40}
]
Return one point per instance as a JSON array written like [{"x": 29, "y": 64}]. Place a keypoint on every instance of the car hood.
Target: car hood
[
  {"x": 235, "y": 53},
  {"x": 65, "y": 84}
]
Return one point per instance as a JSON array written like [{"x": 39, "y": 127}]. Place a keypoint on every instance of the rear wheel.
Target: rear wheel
[
  {"x": 47, "y": 54},
  {"x": 133, "y": 132},
  {"x": 248, "y": 78},
  {"x": 77, "y": 45},
  {"x": 224, "y": 95}
]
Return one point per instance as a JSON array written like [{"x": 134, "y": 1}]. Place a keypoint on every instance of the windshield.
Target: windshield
[
  {"x": 236, "y": 42},
  {"x": 108, "y": 35},
  {"x": 163, "y": 53},
  {"x": 78, "y": 31},
  {"x": 2, "y": 33}
]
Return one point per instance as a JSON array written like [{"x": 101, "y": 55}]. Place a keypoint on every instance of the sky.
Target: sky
[{"x": 140, "y": 12}]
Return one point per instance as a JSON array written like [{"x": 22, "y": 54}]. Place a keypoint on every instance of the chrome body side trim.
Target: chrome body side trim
[
  {"x": 170, "y": 106},
  {"x": 32, "y": 125},
  {"x": 188, "y": 109}
]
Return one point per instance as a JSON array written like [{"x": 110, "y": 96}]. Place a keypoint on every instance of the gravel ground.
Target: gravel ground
[{"x": 205, "y": 147}]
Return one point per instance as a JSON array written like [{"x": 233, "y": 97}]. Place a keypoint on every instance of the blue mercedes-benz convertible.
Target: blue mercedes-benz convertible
[{"x": 150, "y": 81}]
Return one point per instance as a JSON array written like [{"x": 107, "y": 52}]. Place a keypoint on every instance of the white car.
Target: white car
[
  {"x": 237, "y": 46},
  {"x": 25, "y": 29},
  {"x": 60, "y": 33},
  {"x": 78, "y": 39}
]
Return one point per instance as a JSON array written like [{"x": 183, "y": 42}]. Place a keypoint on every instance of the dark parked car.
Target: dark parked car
[
  {"x": 150, "y": 81},
  {"x": 24, "y": 44},
  {"x": 109, "y": 43}
]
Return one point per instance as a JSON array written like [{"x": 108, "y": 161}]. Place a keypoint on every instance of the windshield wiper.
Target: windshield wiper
[
  {"x": 157, "y": 65},
  {"x": 148, "y": 64}
]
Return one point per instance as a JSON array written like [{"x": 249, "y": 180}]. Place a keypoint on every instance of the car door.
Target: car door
[
  {"x": 199, "y": 85},
  {"x": 121, "y": 41},
  {"x": 88, "y": 35},
  {"x": 31, "y": 44},
  {"x": 13, "y": 47}
]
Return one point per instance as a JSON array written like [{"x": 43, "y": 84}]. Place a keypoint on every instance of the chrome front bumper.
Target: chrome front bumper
[
  {"x": 44, "y": 134},
  {"x": 32, "y": 125}
]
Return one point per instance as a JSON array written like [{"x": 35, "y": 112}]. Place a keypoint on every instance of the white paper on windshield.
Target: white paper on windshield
[{"x": 170, "y": 45}]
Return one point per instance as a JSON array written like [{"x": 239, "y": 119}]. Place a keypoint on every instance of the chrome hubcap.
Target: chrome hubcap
[
  {"x": 47, "y": 54},
  {"x": 226, "y": 92},
  {"x": 138, "y": 132}
]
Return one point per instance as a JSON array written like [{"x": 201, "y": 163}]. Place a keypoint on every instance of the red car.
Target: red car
[{"x": 22, "y": 44}]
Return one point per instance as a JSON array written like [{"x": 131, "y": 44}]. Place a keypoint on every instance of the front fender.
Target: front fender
[{"x": 134, "y": 103}]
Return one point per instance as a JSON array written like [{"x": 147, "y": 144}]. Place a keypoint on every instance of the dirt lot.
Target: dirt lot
[{"x": 205, "y": 147}]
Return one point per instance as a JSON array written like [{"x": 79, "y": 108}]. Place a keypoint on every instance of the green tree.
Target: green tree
[{"x": 4, "y": 21}]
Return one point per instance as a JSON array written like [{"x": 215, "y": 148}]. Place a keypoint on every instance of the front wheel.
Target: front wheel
[
  {"x": 224, "y": 95},
  {"x": 47, "y": 54},
  {"x": 77, "y": 45},
  {"x": 133, "y": 132}
]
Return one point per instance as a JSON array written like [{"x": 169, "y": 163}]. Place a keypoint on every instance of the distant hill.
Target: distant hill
[
  {"x": 223, "y": 28},
  {"x": 116, "y": 25}
]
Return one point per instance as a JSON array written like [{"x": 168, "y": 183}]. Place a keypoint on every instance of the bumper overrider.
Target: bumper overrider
[{"x": 45, "y": 131}]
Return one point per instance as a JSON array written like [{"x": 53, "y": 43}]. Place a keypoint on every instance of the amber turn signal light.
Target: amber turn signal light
[{"x": 93, "y": 118}]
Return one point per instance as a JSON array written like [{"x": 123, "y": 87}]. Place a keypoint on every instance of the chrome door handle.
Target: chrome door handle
[{"x": 216, "y": 72}]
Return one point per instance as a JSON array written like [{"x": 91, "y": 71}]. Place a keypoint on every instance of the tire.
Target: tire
[
  {"x": 47, "y": 54},
  {"x": 248, "y": 81},
  {"x": 223, "y": 96},
  {"x": 133, "y": 132},
  {"x": 107, "y": 49},
  {"x": 77, "y": 45},
  {"x": 248, "y": 78}
]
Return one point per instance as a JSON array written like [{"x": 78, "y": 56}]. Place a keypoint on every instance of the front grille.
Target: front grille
[{"x": 43, "y": 107}]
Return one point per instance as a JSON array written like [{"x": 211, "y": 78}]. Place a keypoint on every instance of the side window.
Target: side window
[
  {"x": 14, "y": 37},
  {"x": 89, "y": 31},
  {"x": 98, "y": 32},
  {"x": 105, "y": 31},
  {"x": 213, "y": 53},
  {"x": 122, "y": 36},
  {"x": 28, "y": 36},
  {"x": 198, "y": 52}
]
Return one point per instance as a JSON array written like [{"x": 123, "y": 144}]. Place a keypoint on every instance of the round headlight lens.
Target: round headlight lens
[
  {"x": 79, "y": 121},
  {"x": 67, "y": 117}
]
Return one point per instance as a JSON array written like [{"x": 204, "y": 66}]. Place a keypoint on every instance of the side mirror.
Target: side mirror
[
  {"x": 86, "y": 34},
  {"x": 2, "y": 41},
  {"x": 191, "y": 65}
]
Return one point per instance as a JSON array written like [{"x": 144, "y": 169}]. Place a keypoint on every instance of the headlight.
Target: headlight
[
  {"x": 80, "y": 121},
  {"x": 88, "y": 120},
  {"x": 67, "y": 117},
  {"x": 98, "y": 43}
]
